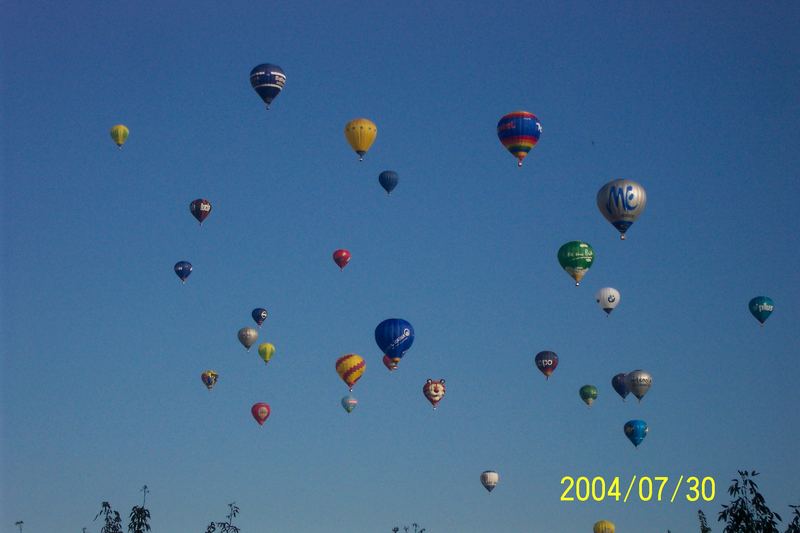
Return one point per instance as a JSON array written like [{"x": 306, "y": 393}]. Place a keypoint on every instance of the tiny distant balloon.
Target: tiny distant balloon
[
  {"x": 360, "y": 133},
  {"x": 248, "y": 337},
  {"x": 341, "y": 258},
  {"x": 266, "y": 351},
  {"x": 576, "y": 258},
  {"x": 200, "y": 209},
  {"x": 608, "y": 299},
  {"x": 390, "y": 363},
  {"x": 183, "y": 269},
  {"x": 261, "y": 412},
  {"x": 209, "y": 378},
  {"x": 394, "y": 337},
  {"x": 761, "y": 307},
  {"x": 119, "y": 134},
  {"x": 519, "y": 132},
  {"x": 268, "y": 81},
  {"x": 349, "y": 403},
  {"x": 636, "y": 431},
  {"x": 621, "y": 202},
  {"x": 388, "y": 180},
  {"x": 603, "y": 526},
  {"x": 489, "y": 479},
  {"x": 434, "y": 391},
  {"x": 638, "y": 382},
  {"x": 618, "y": 382},
  {"x": 350, "y": 368},
  {"x": 588, "y": 394},
  {"x": 259, "y": 314},
  {"x": 546, "y": 362}
]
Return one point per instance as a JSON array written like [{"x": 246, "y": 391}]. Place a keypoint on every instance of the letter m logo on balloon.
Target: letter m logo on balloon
[{"x": 619, "y": 199}]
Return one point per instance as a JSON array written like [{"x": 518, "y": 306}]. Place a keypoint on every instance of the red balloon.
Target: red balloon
[
  {"x": 390, "y": 363},
  {"x": 260, "y": 412},
  {"x": 341, "y": 258},
  {"x": 200, "y": 209},
  {"x": 434, "y": 391}
]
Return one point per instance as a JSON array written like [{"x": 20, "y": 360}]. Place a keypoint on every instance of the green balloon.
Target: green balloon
[
  {"x": 588, "y": 394},
  {"x": 576, "y": 258}
]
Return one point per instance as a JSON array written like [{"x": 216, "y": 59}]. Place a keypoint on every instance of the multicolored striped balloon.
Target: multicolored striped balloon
[
  {"x": 350, "y": 368},
  {"x": 519, "y": 132}
]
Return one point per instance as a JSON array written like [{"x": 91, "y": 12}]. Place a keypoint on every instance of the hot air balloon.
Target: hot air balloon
[
  {"x": 588, "y": 394},
  {"x": 394, "y": 337},
  {"x": 259, "y": 314},
  {"x": 636, "y": 431},
  {"x": 546, "y": 362},
  {"x": 519, "y": 132},
  {"x": 268, "y": 81},
  {"x": 608, "y": 299},
  {"x": 248, "y": 337},
  {"x": 638, "y": 382},
  {"x": 260, "y": 412},
  {"x": 350, "y": 368},
  {"x": 390, "y": 363},
  {"x": 489, "y": 479},
  {"x": 200, "y": 209},
  {"x": 341, "y": 257},
  {"x": 621, "y": 202},
  {"x": 361, "y": 133},
  {"x": 119, "y": 134},
  {"x": 761, "y": 307},
  {"x": 434, "y": 391},
  {"x": 576, "y": 258},
  {"x": 209, "y": 378},
  {"x": 603, "y": 526},
  {"x": 266, "y": 351},
  {"x": 388, "y": 180},
  {"x": 183, "y": 269},
  {"x": 618, "y": 382},
  {"x": 349, "y": 403}
]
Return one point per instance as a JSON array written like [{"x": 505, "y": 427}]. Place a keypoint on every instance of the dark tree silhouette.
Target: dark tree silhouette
[
  {"x": 225, "y": 527},
  {"x": 112, "y": 523},
  {"x": 406, "y": 529},
  {"x": 747, "y": 512},
  {"x": 703, "y": 522}
]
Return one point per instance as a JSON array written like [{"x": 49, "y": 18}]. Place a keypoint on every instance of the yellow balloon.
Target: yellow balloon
[
  {"x": 361, "y": 133},
  {"x": 603, "y": 526},
  {"x": 266, "y": 351},
  {"x": 350, "y": 368},
  {"x": 119, "y": 134}
]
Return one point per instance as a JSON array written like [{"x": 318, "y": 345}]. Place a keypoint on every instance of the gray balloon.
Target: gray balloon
[
  {"x": 248, "y": 337},
  {"x": 638, "y": 383}
]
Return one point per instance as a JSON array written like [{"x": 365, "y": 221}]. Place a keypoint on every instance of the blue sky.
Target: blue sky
[{"x": 102, "y": 347}]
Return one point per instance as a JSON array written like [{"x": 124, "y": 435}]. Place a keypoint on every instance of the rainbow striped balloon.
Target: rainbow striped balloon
[
  {"x": 519, "y": 132},
  {"x": 350, "y": 368}
]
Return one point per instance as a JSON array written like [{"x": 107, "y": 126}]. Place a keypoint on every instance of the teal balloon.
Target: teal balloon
[
  {"x": 349, "y": 403},
  {"x": 636, "y": 431},
  {"x": 761, "y": 307}
]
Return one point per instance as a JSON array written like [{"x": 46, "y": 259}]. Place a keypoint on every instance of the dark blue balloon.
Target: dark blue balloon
[
  {"x": 618, "y": 382},
  {"x": 388, "y": 180},
  {"x": 394, "y": 336},
  {"x": 636, "y": 431},
  {"x": 183, "y": 269},
  {"x": 268, "y": 80},
  {"x": 259, "y": 314}
]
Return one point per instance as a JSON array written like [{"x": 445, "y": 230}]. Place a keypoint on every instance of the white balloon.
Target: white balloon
[
  {"x": 638, "y": 382},
  {"x": 248, "y": 337},
  {"x": 608, "y": 299},
  {"x": 621, "y": 202},
  {"x": 489, "y": 479}
]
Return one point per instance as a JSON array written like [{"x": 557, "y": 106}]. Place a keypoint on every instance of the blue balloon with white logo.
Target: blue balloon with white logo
[
  {"x": 636, "y": 431},
  {"x": 388, "y": 180},
  {"x": 268, "y": 81},
  {"x": 394, "y": 337},
  {"x": 183, "y": 269},
  {"x": 761, "y": 307}
]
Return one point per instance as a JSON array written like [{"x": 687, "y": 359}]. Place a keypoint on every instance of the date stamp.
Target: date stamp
[{"x": 642, "y": 488}]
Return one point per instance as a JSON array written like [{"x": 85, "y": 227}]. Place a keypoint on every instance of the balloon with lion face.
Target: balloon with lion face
[{"x": 434, "y": 391}]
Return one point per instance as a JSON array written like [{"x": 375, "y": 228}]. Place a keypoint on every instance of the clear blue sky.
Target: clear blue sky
[{"x": 102, "y": 347}]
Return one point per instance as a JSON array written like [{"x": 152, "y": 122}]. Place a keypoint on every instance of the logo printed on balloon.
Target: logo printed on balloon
[{"x": 260, "y": 412}]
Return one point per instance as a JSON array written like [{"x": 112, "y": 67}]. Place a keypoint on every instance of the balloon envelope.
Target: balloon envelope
[
  {"x": 349, "y": 403},
  {"x": 603, "y": 526},
  {"x": 119, "y": 134},
  {"x": 576, "y": 258},
  {"x": 248, "y": 337},
  {"x": 761, "y": 307},
  {"x": 434, "y": 391},
  {"x": 394, "y": 337},
  {"x": 209, "y": 378},
  {"x": 588, "y": 394},
  {"x": 268, "y": 81},
  {"x": 489, "y": 479},
  {"x": 350, "y": 368},
  {"x": 546, "y": 362},
  {"x": 618, "y": 382},
  {"x": 341, "y": 257},
  {"x": 259, "y": 314},
  {"x": 519, "y": 132},
  {"x": 260, "y": 412},
  {"x": 638, "y": 382},
  {"x": 608, "y": 299},
  {"x": 388, "y": 180},
  {"x": 183, "y": 269},
  {"x": 360, "y": 133},
  {"x": 621, "y": 202},
  {"x": 266, "y": 351},
  {"x": 636, "y": 431},
  {"x": 200, "y": 209}
]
